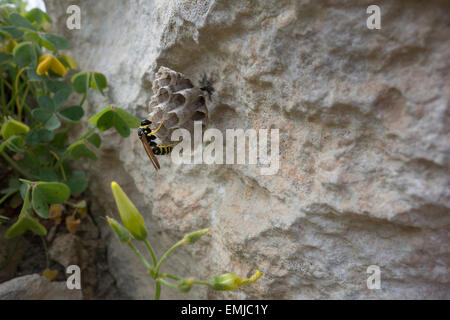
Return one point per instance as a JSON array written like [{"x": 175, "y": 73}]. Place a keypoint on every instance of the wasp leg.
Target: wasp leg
[{"x": 156, "y": 130}]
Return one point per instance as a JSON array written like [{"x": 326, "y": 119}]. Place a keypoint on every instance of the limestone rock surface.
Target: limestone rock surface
[
  {"x": 364, "y": 123},
  {"x": 37, "y": 287}
]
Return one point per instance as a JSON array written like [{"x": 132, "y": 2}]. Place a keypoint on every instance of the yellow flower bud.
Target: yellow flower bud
[
  {"x": 50, "y": 62},
  {"x": 122, "y": 233},
  {"x": 13, "y": 127},
  {"x": 185, "y": 285},
  {"x": 131, "y": 217},
  {"x": 194, "y": 236},
  {"x": 230, "y": 281}
]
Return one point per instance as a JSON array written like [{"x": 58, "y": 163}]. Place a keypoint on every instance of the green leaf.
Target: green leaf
[
  {"x": 20, "y": 22},
  {"x": 121, "y": 126},
  {"x": 5, "y": 58},
  {"x": 47, "y": 174},
  {"x": 77, "y": 182},
  {"x": 33, "y": 76},
  {"x": 80, "y": 82},
  {"x": 32, "y": 36},
  {"x": 130, "y": 120},
  {"x": 46, "y": 103},
  {"x": 32, "y": 138},
  {"x": 98, "y": 81},
  {"x": 94, "y": 119},
  {"x": 73, "y": 113},
  {"x": 95, "y": 140},
  {"x": 12, "y": 32},
  {"x": 60, "y": 139},
  {"x": 79, "y": 150},
  {"x": 59, "y": 42},
  {"x": 45, "y": 193},
  {"x": 13, "y": 127},
  {"x": 15, "y": 144},
  {"x": 53, "y": 123},
  {"x": 24, "y": 54},
  {"x": 106, "y": 121},
  {"x": 55, "y": 85},
  {"x": 24, "y": 224},
  {"x": 61, "y": 96},
  {"x": 41, "y": 115},
  {"x": 36, "y": 15},
  {"x": 45, "y": 135}
]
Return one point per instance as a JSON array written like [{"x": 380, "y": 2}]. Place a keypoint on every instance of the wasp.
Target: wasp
[
  {"x": 147, "y": 136},
  {"x": 207, "y": 86}
]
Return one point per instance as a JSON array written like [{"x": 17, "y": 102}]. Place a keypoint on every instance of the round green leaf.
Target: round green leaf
[
  {"x": 73, "y": 113},
  {"x": 24, "y": 54},
  {"x": 80, "y": 82},
  {"x": 94, "y": 119},
  {"x": 45, "y": 193},
  {"x": 20, "y": 22},
  {"x": 55, "y": 85},
  {"x": 47, "y": 174},
  {"x": 98, "y": 81},
  {"x": 106, "y": 121},
  {"x": 80, "y": 150},
  {"x": 24, "y": 224},
  {"x": 130, "y": 120},
  {"x": 61, "y": 96},
  {"x": 95, "y": 140},
  {"x": 59, "y": 42},
  {"x": 37, "y": 15},
  {"x": 32, "y": 138},
  {"x": 45, "y": 135},
  {"x": 46, "y": 103},
  {"x": 12, "y": 32},
  {"x": 77, "y": 182},
  {"x": 121, "y": 126},
  {"x": 53, "y": 123},
  {"x": 41, "y": 115}
]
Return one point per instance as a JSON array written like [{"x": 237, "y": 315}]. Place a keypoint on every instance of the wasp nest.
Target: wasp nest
[{"x": 177, "y": 102}]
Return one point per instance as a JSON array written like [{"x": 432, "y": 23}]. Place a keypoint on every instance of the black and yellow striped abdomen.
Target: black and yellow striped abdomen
[{"x": 162, "y": 150}]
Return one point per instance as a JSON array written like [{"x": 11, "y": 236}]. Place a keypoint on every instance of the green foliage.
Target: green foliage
[
  {"x": 36, "y": 117},
  {"x": 134, "y": 228}
]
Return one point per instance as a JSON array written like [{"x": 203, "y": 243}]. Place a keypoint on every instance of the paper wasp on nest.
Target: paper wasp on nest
[{"x": 177, "y": 103}]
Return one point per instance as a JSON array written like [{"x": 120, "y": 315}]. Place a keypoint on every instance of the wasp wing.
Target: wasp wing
[{"x": 150, "y": 154}]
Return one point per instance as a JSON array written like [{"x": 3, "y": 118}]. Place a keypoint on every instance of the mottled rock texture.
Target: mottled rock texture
[
  {"x": 364, "y": 142},
  {"x": 36, "y": 287}
]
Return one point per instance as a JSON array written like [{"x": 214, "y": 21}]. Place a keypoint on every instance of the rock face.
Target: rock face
[
  {"x": 36, "y": 287},
  {"x": 364, "y": 122}
]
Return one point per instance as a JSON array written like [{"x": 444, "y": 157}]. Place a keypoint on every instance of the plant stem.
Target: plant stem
[
  {"x": 15, "y": 166},
  {"x": 63, "y": 173},
  {"x": 205, "y": 283},
  {"x": 157, "y": 289},
  {"x": 16, "y": 84},
  {"x": 47, "y": 259},
  {"x": 136, "y": 251},
  {"x": 64, "y": 155},
  {"x": 152, "y": 253},
  {"x": 179, "y": 243},
  {"x": 83, "y": 100},
  {"x": 6, "y": 196},
  {"x": 170, "y": 276},
  {"x": 167, "y": 284}
]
